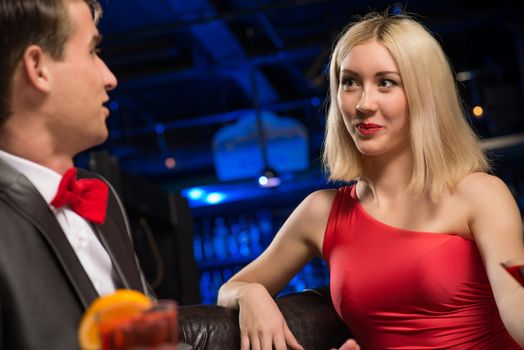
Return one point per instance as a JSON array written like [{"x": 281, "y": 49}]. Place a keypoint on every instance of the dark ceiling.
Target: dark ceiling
[{"x": 187, "y": 68}]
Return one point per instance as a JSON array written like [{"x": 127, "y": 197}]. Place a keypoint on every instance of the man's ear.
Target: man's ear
[{"x": 35, "y": 64}]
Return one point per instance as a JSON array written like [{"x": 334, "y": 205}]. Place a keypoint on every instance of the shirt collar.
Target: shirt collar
[{"x": 44, "y": 179}]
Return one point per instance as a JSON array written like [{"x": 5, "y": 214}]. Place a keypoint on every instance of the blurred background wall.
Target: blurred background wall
[{"x": 217, "y": 96}]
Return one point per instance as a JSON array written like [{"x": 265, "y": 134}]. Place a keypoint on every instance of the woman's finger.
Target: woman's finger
[
  {"x": 244, "y": 342},
  {"x": 350, "y": 344},
  {"x": 291, "y": 340},
  {"x": 255, "y": 343},
  {"x": 266, "y": 341},
  {"x": 280, "y": 342}
]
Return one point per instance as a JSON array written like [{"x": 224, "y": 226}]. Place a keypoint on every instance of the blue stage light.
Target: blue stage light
[
  {"x": 269, "y": 178},
  {"x": 315, "y": 101},
  {"x": 215, "y": 197},
  {"x": 160, "y": 128},
  {"x": 114, "y": 106},
  {"x": 262, "y": 180},
  {"x": 196, "y": 193}
]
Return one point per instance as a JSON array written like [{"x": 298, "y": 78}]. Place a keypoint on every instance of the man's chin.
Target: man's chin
[
  {"x": 102, "y": 138},
  {"x": 95, "y": 140}
]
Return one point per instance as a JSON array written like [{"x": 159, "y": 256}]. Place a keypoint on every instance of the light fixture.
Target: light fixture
[
  {"x": 269, "y": 178},
  {"x": 478, "y": 111},
  {"x": 195, "y": 193},
  {"x": 215, "y": 197},
  {"x": 170, "y": 163}
]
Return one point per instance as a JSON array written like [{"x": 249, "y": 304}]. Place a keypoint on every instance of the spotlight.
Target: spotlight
[
  {"x": 314, "y": 101},
  {"x": 170, "y": 162},
  {"x": 215, "y": 198},
  {"x": 196, "y": 193},
  {"x": 478, "y": 111},
  {"x": 160, "y": 128},
  {"x": 269, "y": 178},
  {"x": 113, "y": 105}
]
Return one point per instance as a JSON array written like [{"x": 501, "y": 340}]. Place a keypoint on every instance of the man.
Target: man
[{"x": 53, "y": 261}]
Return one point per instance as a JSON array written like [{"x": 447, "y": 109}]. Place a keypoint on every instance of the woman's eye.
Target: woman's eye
[
  {"x": 387, "y": 83},
  {"x": 348, "y": 83}
]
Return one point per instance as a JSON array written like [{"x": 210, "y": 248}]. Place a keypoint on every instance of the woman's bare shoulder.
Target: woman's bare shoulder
[
  {"x": 311, "y": 216},
  {"x": 481, "y": 186},
  {"x": 318, "y": 204},
  {"x": 322, "y": 197},
  {"x": 487, "y": 197}
]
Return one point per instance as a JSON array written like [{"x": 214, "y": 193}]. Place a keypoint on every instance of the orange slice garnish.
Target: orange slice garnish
[{"x": 122, "y": 304}]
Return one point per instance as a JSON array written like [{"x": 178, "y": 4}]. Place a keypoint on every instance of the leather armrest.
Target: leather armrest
[
  {"x": 312, "y": 319},
  {"x": 309, "y": 314},
  {"x": 209, "y": 327}
]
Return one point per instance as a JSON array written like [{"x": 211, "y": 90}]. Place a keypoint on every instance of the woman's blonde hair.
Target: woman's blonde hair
[{"x": 444, "y": 147}]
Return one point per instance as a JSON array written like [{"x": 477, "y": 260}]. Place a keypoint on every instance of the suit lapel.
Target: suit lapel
[
  {"x": 117, "y": 242},
  {"x": 120, "y": 250},
  {"x": 23, "y": 197}
]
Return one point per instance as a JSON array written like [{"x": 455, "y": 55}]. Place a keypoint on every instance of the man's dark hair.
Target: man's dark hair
[{"x": 26, "y": 22}]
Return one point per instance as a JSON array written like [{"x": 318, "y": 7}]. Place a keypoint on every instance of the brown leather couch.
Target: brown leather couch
[{"x": 309, "y": 314}]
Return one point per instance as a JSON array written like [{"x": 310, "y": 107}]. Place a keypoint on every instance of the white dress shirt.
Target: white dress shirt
[{"x": 79, "y": 232}]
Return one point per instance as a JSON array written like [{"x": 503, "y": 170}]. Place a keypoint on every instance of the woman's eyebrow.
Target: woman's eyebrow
[
  {"x": 381, "y": 73},
  {"x": 387, "y": 72}
]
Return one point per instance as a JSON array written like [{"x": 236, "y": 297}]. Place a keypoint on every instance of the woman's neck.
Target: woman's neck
[{"x": 385, "y": 176}]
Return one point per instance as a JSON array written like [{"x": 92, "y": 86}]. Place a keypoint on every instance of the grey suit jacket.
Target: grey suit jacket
[{"x": 44, "y": 289}]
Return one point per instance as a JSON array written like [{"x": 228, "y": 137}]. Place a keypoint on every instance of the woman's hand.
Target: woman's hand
[
  {"x": 262, "y": 326},
  {"x": 350, "y": 344}
]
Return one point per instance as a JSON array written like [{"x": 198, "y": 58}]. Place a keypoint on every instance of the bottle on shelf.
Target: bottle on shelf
[
  {"x": 232, "y": 239},
  {"x": 198, "y": 250},
  {"x": 254, "y": 236},
  {"x": 216, "y": 284},
  {"x": 209, "y": 250},
  {"x": 227, "y": 273},
  {"x": 206, "y": 288},
  {"x": 265, "y": 223},
  {"x": 223, "y": 245},
  {"x": 220, "y": 235},
  {"x": 243, "y": 236}
]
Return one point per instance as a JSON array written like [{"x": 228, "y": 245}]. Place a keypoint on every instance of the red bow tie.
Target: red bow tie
[{"x": 86, "y": 197}]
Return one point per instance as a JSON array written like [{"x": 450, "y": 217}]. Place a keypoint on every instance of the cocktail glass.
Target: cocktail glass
[
  {"x": 515, "y": 267},
  {"x": 154, "y": 329}
]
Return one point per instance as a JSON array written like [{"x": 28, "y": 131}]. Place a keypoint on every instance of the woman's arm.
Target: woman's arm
[
  {"x": 497, "y": 228},
  {"x": 251, "y": 290}
]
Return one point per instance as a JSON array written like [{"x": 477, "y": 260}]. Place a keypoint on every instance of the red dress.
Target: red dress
[{"x": 401, "y": 289}]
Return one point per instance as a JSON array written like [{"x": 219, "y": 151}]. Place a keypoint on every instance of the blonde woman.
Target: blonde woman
[{"x": 414, "y": 246}]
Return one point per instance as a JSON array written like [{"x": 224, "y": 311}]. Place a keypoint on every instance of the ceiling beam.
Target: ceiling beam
[{"x": 221, "y": 44}]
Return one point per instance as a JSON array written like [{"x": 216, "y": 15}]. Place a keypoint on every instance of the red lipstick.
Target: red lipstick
[{"x": 367, "y": 129}]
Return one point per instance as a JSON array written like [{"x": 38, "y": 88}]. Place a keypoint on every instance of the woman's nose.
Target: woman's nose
[{"x": 366, "y": 103}]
